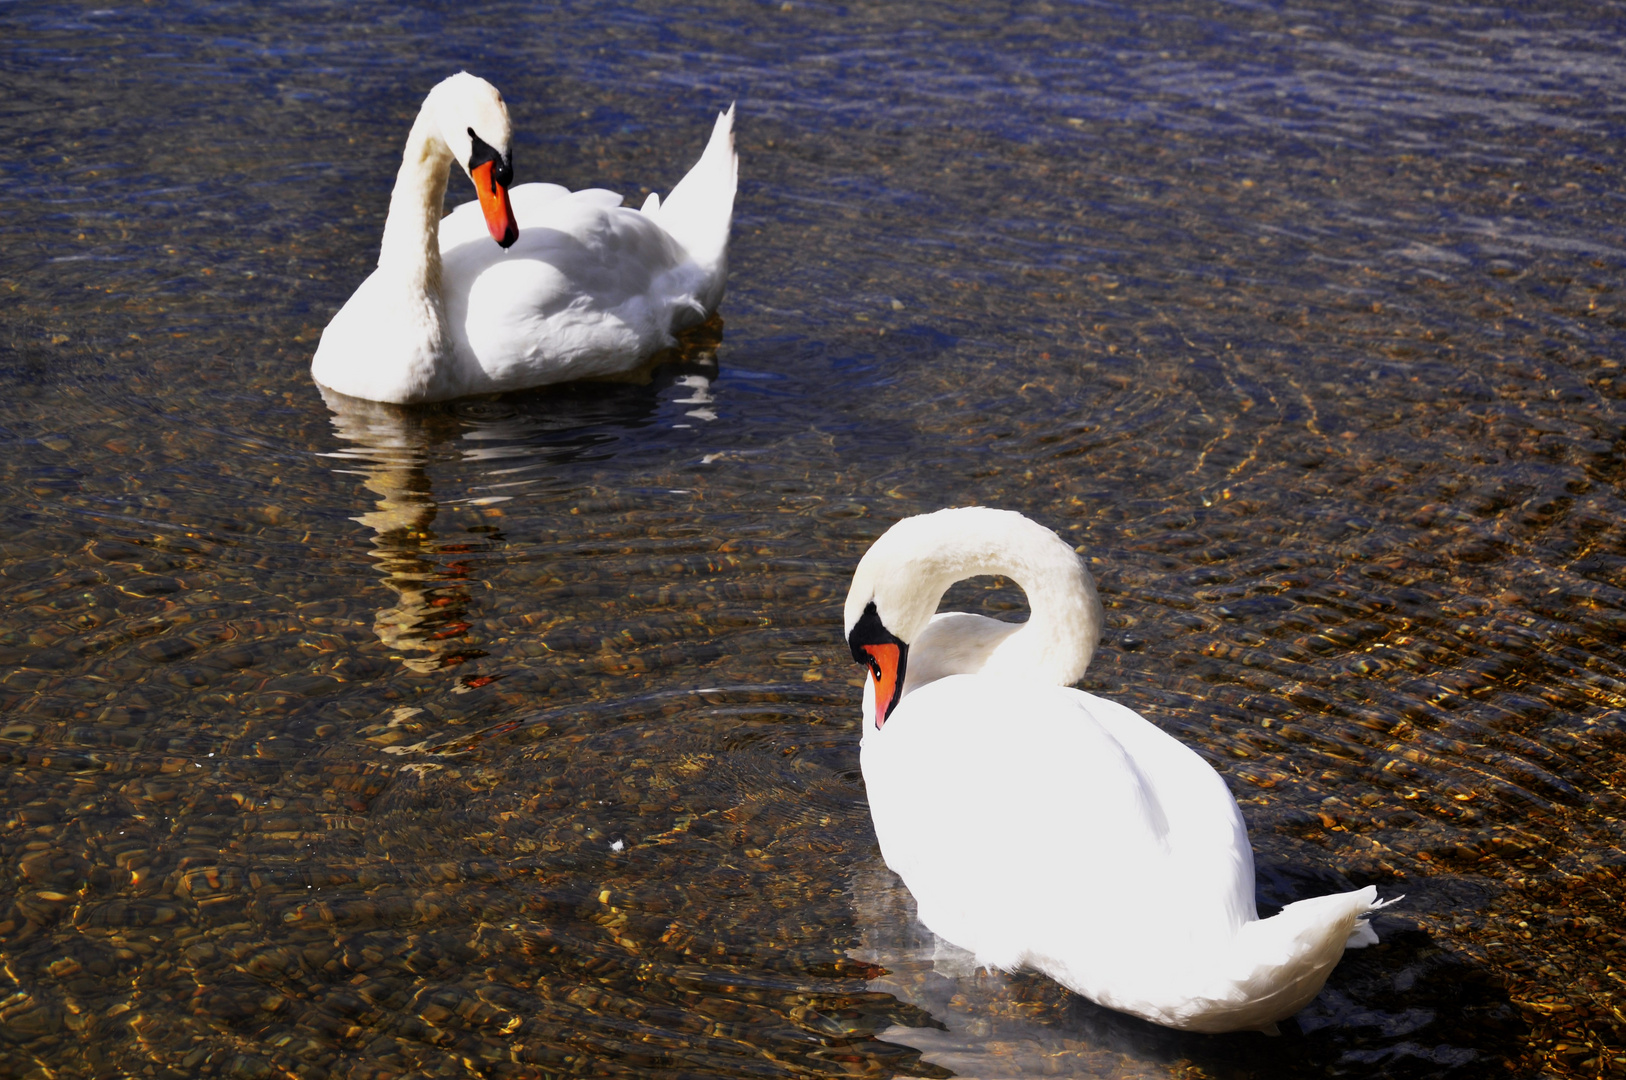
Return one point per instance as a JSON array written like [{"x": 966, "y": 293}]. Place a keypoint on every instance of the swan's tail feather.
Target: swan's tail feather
[
  {"x": 1278, "y": 965},
  {"x": 1362, "y": 934},
  {"x": 1311, "y": 919},
  {"x": 699, "y": 210}
]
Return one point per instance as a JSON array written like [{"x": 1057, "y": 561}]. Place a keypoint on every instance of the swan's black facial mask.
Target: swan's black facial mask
[
  {"x": 483, "y": 152},
  {"x": 491, "y": 176},
  {"x": 886, "y": 656}
]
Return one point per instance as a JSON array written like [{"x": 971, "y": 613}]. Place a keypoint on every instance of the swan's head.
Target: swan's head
[
  {"x": 884, "y": 653},
  {"x": 473, "y": 123},
  {"x": 903, "y": 576},
  {"x": 896, "y": 589},
  {"x": 895, "y": 592}
]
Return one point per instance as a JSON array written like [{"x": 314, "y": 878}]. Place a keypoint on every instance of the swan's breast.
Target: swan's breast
[{"x": 383, "y": 345}]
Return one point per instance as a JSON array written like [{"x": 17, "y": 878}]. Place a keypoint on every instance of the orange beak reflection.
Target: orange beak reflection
[
  {"x": 883, "y": 668},
  {"x": 494, "y": 204}
]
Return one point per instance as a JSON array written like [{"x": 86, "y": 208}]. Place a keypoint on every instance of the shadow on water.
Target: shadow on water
[{"x": 1406, "y": 1006}]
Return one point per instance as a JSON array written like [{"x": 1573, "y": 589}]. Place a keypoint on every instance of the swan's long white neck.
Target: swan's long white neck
[
  {"x": 410, "y": 251},
  {"x": 393, "y": 341},
  {"x": 907, "y": 571}
]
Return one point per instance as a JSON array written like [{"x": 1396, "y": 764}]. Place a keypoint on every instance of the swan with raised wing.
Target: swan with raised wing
[
  {"x": 527, "y": 286},
  {"x": 1044, "y": 828}
]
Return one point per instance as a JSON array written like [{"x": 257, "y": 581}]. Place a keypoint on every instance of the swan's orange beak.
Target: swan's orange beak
[
  {"x": 494, "y": 203},
  {"x": 885, "y": 654},
  {"x": 884, "y": 663}
]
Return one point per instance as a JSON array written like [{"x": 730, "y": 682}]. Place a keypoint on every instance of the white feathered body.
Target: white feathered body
[
  {"x": 1127, "y": 877},
  {"x": 1039, "y": 827},
  {"x": 590, "y": 288}
]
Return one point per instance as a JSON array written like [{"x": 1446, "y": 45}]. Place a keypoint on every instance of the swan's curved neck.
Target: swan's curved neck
[
  {"x": 908, "y": 570},
  {"x": 1059, "y": 638},
  {"x": 1063, "y": 628},
  {"x": 411, "y": 247}
]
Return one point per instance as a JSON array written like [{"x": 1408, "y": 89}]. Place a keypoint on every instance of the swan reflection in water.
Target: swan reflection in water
[
  {"x": 389, "y": 448},
  {"x": 988, "y": 1023},
  {"x": 500, "y": 447}
]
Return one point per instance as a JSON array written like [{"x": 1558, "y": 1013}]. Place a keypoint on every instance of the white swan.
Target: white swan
[
  {"x": 586, "y": 286},
  {"x": 1042, "y": 827}
]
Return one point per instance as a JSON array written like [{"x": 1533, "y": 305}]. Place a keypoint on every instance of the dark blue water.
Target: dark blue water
[{"x": 318, "y": 724}]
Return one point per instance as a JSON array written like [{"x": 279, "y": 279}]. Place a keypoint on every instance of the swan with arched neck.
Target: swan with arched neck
[
  {"x": 1044, "y": 828},
  {"x": 527, "y": 286}
]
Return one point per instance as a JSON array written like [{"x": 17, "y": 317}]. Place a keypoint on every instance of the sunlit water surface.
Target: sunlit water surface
[{"x": 516, "y": 737}]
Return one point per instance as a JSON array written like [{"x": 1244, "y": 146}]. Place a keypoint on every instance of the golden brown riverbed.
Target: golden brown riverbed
[{"x": 516, "y": 737}]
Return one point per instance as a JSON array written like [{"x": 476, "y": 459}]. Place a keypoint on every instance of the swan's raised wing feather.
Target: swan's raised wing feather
[{"x": 605, "y": 255}]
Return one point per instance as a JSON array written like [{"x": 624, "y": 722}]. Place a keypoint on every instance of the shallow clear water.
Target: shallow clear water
[{"x": 320, "y": 724}]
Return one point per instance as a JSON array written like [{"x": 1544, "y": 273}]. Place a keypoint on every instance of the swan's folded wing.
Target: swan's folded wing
[
  {"x": 1001, "y": 802},
  {"x": 1207, "y": 838},
  {"x": 465, "y": 224},
  {"x": 530, "y": 203},
  {"x": 602, "y": 198},
  {"x": 603, "y": 257},
  {"x": 575, "y": 295}
]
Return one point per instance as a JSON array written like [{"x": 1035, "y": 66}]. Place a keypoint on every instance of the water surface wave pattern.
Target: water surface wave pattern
[{"x": 515, "y": 737}]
